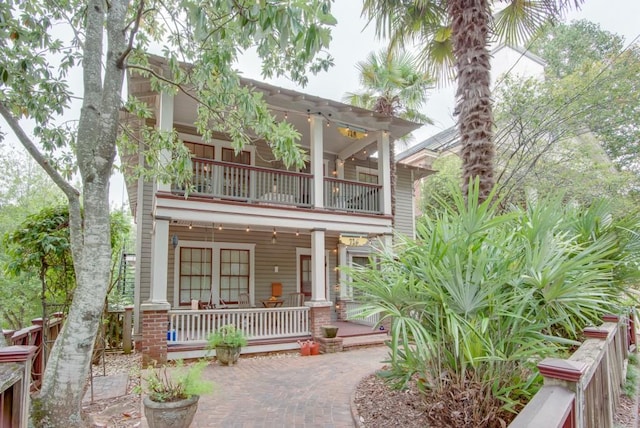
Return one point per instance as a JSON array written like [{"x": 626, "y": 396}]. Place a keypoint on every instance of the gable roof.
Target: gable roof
[{"x": 442, "y": 141}]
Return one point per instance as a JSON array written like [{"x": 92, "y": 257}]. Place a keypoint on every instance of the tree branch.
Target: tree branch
[
  {"x": 132, "y": 35},
  {"x": 70, "y": 191}
]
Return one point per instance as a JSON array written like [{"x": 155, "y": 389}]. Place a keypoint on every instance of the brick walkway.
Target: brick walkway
[{"x": 287, "y": 391}]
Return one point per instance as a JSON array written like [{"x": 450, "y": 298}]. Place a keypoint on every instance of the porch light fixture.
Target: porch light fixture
[
  {"x": 220, "y": 226},
  {"x": 274, "y": 240},
  {"x": 297, "y": 233},
  {"x": 248, "y": 229},
  {"x": 174, "y": 241},
  {"x": 190, "y": 226}
]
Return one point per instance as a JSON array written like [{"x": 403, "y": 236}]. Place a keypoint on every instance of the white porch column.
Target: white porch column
[
  {"x": 165, "y": 123},
  {"x": 316, "y": 154},
  {"x": 384, "y": 171},
  {"x": 159, "y": 260},
  {"x": 318, "y": 291}
]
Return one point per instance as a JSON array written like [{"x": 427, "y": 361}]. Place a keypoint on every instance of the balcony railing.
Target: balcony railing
[
  {"x": 258, "y": 185},
  {"x": 352, "y": 196}
]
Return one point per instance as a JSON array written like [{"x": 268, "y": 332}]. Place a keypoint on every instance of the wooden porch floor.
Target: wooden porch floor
[{"x": 353, "y": 335}]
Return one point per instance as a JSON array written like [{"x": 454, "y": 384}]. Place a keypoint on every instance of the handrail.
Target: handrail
[
  {"x": 584, "y": 390},
  {"x": 188, "y": 326}
]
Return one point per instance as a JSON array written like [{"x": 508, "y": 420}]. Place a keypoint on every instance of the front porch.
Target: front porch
[{"x": 267, "y": 330}]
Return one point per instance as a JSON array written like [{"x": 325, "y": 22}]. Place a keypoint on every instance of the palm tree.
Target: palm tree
[
  {"x": 392, "y": 85},
  {"x": 457, "y": 33}
]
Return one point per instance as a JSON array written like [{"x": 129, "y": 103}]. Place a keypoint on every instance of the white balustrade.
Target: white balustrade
[
  {"x": 354, "y": 314},
  {"x": 257, "y": 323}
]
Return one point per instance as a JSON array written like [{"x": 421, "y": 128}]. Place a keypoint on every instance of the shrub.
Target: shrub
[{"x": 484, "y": 293}]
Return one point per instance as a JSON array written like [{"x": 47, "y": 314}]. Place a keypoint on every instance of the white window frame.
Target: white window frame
[
  {"x": 365, "y": 170},
  {"x": 176, "y": 266},
  {"x": 218, "y": 145},
  {"x": 217, "y": 246},
  {"x": 215, "y": 266}
]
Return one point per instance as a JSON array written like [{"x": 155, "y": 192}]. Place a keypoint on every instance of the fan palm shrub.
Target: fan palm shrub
[{"x": 484, "y": 293}]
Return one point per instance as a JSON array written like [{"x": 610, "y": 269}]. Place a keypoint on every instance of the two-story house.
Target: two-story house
[{"x": 254, "y": 243}]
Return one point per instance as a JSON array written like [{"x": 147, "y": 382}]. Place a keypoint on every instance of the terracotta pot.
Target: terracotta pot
[
  {"x": 315, "y": 348},
  {"x": 305, "y": 349},
  {"x": 227, "y": 355},
  {"x": 171, "y": 414}
]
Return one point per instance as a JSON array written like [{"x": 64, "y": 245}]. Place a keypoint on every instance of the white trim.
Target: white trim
[{"x": 201, "y": 212}]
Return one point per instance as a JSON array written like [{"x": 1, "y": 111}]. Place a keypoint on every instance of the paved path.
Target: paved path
[
  {"x": 104, "y": 387},
  {"x": 287, "y": 391}
]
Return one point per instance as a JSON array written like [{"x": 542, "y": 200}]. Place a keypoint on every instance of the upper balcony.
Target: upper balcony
[{"x": 258, "y": 185}]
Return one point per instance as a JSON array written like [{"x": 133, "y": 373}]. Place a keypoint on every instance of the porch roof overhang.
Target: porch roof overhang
[
  {"x": 205, "y": 211},
  {"x": 295, "y": 107}
]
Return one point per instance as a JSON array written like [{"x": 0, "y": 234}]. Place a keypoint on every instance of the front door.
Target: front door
[{"x": 305, "y": 276}]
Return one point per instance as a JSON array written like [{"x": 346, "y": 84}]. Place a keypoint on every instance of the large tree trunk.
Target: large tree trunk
[
  {"x": 59, "y": 402},
  {"x": 470, "y": 36}
]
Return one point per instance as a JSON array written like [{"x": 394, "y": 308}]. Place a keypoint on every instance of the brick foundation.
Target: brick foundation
[
  {"x": 341, "y": 309},
  {"x": 154, "y": 336},
  {"x": 320, "y": 315},
  {"x": 330, "y": 345}
]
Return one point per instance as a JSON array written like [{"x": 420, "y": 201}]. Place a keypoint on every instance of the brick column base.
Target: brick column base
[
  {"x": 154, "y": 333},
  {"x": 341, "y": 309},
  {"x": 330, "y": 345},
  {"x": 319, "y": 315}
]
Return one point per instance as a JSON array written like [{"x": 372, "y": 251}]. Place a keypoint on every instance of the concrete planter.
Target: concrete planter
[
  {"x": 227, "y": 355},
  {"x": 329, "y": 331},
  {"x": 171, "y": 414}
]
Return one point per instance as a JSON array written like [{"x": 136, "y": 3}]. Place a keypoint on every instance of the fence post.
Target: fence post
[
  {"x": 23, "y": 356},
  {"x": 566, "y": 373},
  {"x": 126, "y": 329}
]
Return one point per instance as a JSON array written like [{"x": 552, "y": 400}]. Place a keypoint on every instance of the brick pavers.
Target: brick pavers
[{"x": 286, "y": 391}]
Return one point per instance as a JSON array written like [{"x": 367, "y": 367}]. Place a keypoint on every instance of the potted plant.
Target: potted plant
[
  {"x": 171, "y": 398},
  {"x": 227, "y": 342}
]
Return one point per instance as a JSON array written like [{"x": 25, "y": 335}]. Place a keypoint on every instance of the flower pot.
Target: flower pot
[
  {"x": 329, "y": 331},
  {"x": 305, "y": 349},
  {"x": 170, "y": 414},
  {"x": 227, "y": 355},
  {"x": 315, "y": 348}
]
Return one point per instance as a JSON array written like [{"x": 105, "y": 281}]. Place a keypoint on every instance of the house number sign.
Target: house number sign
[{"x": 353, "y": 241}]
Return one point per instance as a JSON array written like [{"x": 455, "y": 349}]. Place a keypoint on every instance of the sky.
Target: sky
[{"x": 353, "y": 40}]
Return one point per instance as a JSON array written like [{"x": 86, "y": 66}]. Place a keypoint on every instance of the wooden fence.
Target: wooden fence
[
  {"x": 584, "y": 390},
  {"x": 22, "y": 365}
]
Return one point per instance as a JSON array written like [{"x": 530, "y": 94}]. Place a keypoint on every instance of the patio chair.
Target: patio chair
[
  {"x": 244, "y": 301},
  {"x": 207, "y": 304},
  {"x": 295, "y": 300}
]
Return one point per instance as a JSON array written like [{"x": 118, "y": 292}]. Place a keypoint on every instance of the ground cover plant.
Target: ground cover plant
[{"x": 485, "y": 292}]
